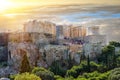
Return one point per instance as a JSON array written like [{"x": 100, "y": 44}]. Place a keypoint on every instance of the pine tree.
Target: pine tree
[
  {"x": 88, "y": 62},
  {"x": 25, "y": 66}
]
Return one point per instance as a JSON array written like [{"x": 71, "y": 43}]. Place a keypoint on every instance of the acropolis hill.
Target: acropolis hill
[{"x": 44, "y": 42}]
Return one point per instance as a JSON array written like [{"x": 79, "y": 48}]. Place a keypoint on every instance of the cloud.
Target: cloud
[{"x": 107, "y": 16}]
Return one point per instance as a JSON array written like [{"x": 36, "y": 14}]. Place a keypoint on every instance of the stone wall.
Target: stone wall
[
  {"x": 35, "y": 38},
  {"x": 40, "y": 27},
  {"x": 95, "y": 39}
]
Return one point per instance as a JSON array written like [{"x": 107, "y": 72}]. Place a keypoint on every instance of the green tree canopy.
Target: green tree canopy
[
  {"x": 114, "y": 43},
  {"x": 108, "y": 56},
  {"x": 115, "y": 74},
  {"x": 27, "y": 76},
  {"x": 43, "y": 73}
]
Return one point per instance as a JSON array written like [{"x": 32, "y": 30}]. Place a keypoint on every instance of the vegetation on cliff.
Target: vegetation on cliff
[{"x": 105, "y": 67}]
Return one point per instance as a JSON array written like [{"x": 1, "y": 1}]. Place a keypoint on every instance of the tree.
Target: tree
[
  {"x": 25, "y": 66},
  {"x": 57, "y": 68},
  {"x": 94, "y": 66},
  {"x": 115, "y": 74},
  {"x": 75, "y": 71},
  {"x": 108, "y": 56},
  {"x": 57, "y": 77},
  {"x": 94, "y": 76},
  {"x": 118, "y": 61},
  {"x": 70, "y": 62},
  {"x": 84, "y": 67},
  {"x": 88, "y": 63},
  {"x": 43, "y": 73},
  {"x": 114, "y": 43},
  {"x": 27, "y": 76}
]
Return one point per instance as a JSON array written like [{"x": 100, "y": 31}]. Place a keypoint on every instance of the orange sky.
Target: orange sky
[
  {"x": 41, "y": 2},
  {"x": 11, "y": 4}
]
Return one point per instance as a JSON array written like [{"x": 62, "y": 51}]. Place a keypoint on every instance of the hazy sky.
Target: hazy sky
[
  {"x": 83, "y": 12},
  {"x": 34, "y": 2}
]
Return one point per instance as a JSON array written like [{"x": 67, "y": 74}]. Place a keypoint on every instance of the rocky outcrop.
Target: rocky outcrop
[
  {"x": 3, "y": 47},
  {"x": 3, "y": 53},
  {"x": 38, "y": 56},
  {"x": 28, "y": 43},
  {"x": 4, "y": 79},
  {"x": 54, "y": 52},
  {"x": 17, "y": 50},
  {"x": 93, "y": 50},
  {"x": 6, "y": 71}
]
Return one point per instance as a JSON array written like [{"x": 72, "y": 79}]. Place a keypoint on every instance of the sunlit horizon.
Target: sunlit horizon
[
  {"x": 13, "y": 5},
  {"x": 5, "y": 4},
  {"x": 105, "y": 13}
]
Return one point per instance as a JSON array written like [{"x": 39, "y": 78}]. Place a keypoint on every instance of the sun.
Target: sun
[{"x": 4, "y": 5}]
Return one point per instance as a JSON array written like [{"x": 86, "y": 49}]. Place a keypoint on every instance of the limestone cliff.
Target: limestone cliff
[{"x": 17, "y": 50}]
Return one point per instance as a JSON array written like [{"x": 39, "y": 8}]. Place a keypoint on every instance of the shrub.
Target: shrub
[
  {"x": 27, "y": 76},
  {"x": 75, "y": 71},
  {"x": 118, "y": 61},
  {"x": 115, "y": 74},
  {"x": 43, "y": 73},
  {"x": 57, "y": 77},
  {"x": 12, "y": 77},
  {"x": 94, "y": 66},
  {"x": 95, "y": 76},
  {"x": 57, "y": 69}
]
